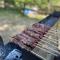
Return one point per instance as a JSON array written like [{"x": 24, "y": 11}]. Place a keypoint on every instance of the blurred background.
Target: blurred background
[{"x": 16, "y": 15}]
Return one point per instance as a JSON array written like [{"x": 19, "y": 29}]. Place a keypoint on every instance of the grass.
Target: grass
[
  {"x": 13, "y": 12},
  {"x": 6, "y": 11}
]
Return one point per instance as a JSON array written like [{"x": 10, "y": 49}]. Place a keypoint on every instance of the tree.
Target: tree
[{"x": 9, "y": 1}]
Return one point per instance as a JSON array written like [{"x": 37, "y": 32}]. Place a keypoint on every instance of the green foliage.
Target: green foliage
[
  {"x": 36, "y": 2},
  {"x": 56, "y": 2},
  {"x": 20, "y": 3},
  {"x": 44, "y": 3},
  {"x": 41, "y": 3},
  {"x": 9, "y": 1},
  {"x": 17, "y": 3}
]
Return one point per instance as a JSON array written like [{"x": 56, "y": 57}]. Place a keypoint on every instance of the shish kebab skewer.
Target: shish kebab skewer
[{"x": 30, "y": 37}]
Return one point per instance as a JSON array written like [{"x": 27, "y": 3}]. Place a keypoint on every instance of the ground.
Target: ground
[{"x": 11, "y": 23}]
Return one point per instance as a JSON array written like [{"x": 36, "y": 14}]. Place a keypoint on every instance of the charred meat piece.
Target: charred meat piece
[
  {"x": 31, "y": 36},
  {"x": 25, "y": 39},
  {"x": 36, "y": 34},
  {"x": 40, "y": 27}
]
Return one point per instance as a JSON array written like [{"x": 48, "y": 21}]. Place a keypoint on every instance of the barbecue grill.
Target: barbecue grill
[{"x": 41, "y": 39}]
